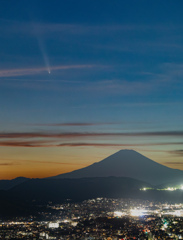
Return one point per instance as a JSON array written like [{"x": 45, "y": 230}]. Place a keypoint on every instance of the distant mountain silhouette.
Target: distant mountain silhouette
[
  {"x": 58, "y": 190},
  {"x": 7, "y": 184},
  {"x": 40, "y": 191},
  {"x": 128, "y": 163}
]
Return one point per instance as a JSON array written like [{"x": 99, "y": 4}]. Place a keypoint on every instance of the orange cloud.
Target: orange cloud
[
  {"x": 88, "y": 134},
  {"x": 79, "y": 144},
  {"x": 8, "y": 164},
  {"x": 24, "y": 144},
  {"x": 178, "y": 153},
  {"x": 174, "y": 163}
]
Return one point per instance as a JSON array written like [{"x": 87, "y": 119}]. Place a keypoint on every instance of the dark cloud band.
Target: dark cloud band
[{"x": 89, "y": 134}]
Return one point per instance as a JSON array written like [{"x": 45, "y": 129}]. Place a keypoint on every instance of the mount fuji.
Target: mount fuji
[{"x": 128, "y": 163}]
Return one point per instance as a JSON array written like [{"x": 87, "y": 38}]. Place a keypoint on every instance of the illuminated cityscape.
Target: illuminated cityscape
[{"x": 100, "y": 218}]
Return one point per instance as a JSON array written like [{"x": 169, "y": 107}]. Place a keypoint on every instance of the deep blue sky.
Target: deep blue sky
[{"x": 115, "y": 82}]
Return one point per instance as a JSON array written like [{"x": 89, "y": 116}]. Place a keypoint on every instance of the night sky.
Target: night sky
[{"x": 80, "y": 80}]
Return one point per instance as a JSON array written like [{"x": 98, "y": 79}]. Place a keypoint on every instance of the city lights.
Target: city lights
[
  {"x": 100, "y": 218},
  {"x": 137, "y": 212}
]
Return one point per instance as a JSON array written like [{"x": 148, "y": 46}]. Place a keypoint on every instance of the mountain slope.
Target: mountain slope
[
  {"x": 7, "y": 184},
  {"x": 128, "y": 163},
  {"x": 58, "y": 190}
]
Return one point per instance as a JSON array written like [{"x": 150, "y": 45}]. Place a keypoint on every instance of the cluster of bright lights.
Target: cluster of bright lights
[
  {"x": 173, "y": 188},
  {"x": 170, "y": 189},
  {"x": 53, "y": 225},
  {"x": 146, "y": 188},
  {"x": 118, "y": 214},
  {"x": 165, "y": 225},
  {"x": 165, "y": 189},
  {"x": 137, "y": 212}
]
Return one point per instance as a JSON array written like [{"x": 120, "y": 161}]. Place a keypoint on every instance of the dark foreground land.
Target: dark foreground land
[{"x": 27, "y": 197}]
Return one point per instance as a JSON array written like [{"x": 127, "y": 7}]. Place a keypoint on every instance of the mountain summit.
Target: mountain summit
[{"x": 128, "y": 163}]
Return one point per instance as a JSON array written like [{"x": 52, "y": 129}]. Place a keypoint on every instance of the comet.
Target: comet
[
  {"x": 37, "y": 29},
  {"x": 44, "y": 54}
]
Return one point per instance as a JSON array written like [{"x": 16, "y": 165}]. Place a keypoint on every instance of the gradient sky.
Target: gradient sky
[{"x": 80, "y": 80}]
